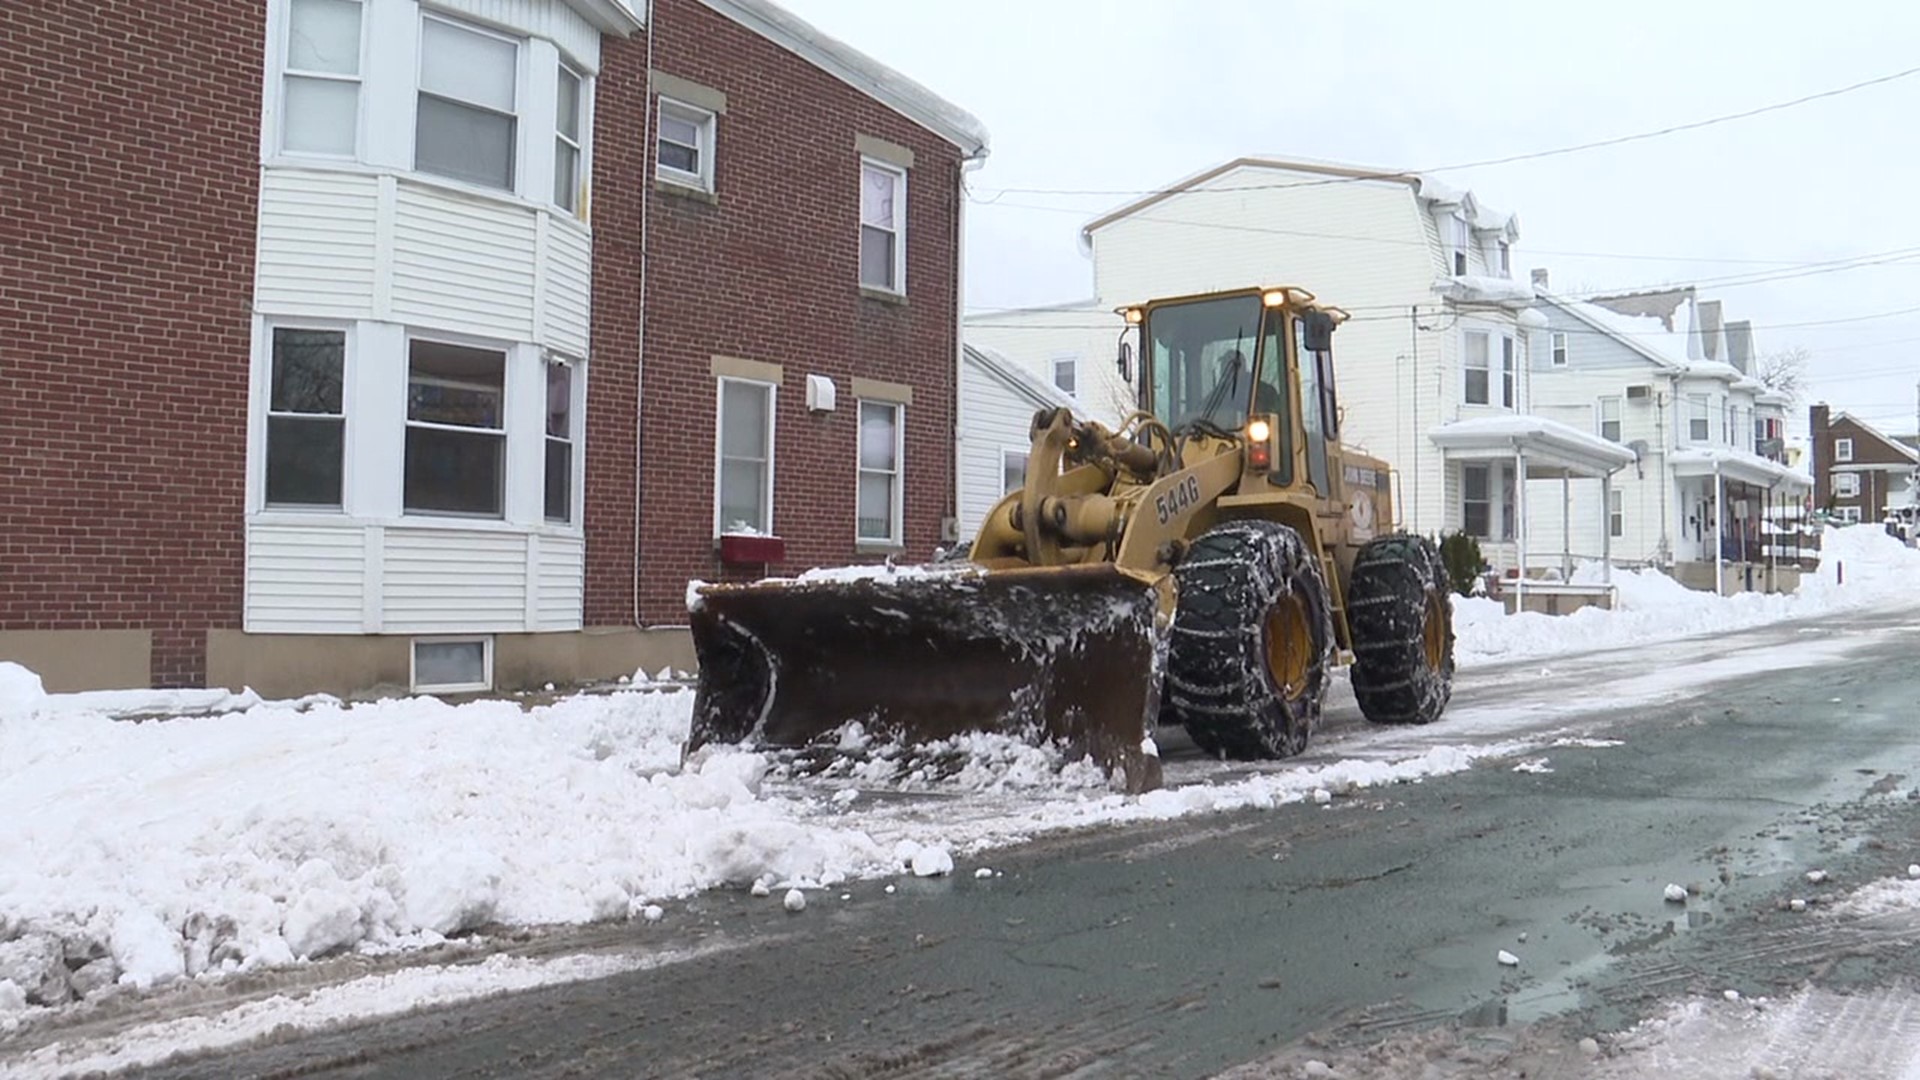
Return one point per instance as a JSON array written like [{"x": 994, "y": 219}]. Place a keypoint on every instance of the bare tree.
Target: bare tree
[{"x": 1785, "y": 371}]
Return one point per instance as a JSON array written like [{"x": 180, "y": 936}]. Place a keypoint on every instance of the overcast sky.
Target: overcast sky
[{"x": 1123, "y": 96}]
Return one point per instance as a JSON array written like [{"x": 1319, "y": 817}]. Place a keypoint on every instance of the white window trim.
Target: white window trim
[
  {"x": 1021, "y": 452},
  {"x": 1848, "y": 514},
  {"x": 1509, "y": 372},
  {"x": 1600, "y": 417},
  {"x": 1560, "y": 350},
  {"x": 282, "y": 69},
  {"x": 1699, "y": 410},
  {"x": 519, "y": 183},
  {"x": 1459, "y": 241},
  {"x": 1491, "y": 500},
  {"x": 1616, "y": 513},
  {"x": 719, "y": 417},
  {"x": 1073, "y": 360},
  {"x": 583, "y": 146},
  {"x": 486, "y": 662},
  {"x": 1493, "y": 375},
  {"x": 1842, "y": 450},
  {"x": 896, "y": 528},
  {"x": 503, "y": 432},
  {"x": 262, "y": 408},
  {"x": 708, "y": 124},
  {"x": 1848, "y": 490},
  {"x": 576, "y": 438},
  {"x": 899, "y": 286}
]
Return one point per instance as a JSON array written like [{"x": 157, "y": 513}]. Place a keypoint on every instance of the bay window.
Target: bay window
[
  {"x": 466, "y": 120},
  {"x": 456, "y": 435},
  {"x": 306, "y": 421},
  {"x": 1479, "y": 372},
  {"x": 1509, "y": 380},
  {"x": 558, "y": 501},
  {"x": 321, "y": 88},
  {"x": 568, "y": 181},
  {"x": 1698, "y": 425}
]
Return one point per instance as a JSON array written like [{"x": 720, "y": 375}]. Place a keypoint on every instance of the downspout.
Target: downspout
[
  {"x": 1719, "y": 532},
  {"x": 640, "y": 336},
  {"x": 967, "y": 164}
]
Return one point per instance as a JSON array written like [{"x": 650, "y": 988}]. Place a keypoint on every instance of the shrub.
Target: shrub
[{"x": 1461, "y": 555}]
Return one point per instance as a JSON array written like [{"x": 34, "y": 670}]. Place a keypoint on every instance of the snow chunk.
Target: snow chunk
[
  {"x": 795, "y": 900},
  {"x": 653, "y": 913},
  {"x": 148, "y": 951},
  {"x": 1676, "y": 894},
  {"x": 983, "y": 872},
  {"x": 1321, "y": 796},
  {"x": 1816, "y": 876},
  {"x": 1508, "y": 959},
  {"x": 932, "y": 862},
  {"x": 21, "y": 691}
]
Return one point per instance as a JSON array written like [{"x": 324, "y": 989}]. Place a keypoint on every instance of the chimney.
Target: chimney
[
  {"x": 1709, "y": 311},
  {"x": 1740, "y": 345},
  {"x": 1540, "y": 278}
]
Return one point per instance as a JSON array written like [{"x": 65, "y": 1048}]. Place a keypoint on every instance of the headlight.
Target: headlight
[{"x": 1258, "y": 431}]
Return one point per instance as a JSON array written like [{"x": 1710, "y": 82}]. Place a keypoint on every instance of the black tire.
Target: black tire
[
  {"x": 1237, "y": 584},
  {"x": 1400, "y": 611}
]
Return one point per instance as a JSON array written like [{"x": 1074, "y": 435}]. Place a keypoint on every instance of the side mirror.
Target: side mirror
[
  {"x": 1125, "y": 361},
  {"x": 1319, "y": 331}
]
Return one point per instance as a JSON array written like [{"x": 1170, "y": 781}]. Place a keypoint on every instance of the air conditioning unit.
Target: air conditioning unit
[{"x": 1639, "y": 392}]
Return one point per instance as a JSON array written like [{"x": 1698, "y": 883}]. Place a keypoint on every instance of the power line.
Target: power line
[{"x": 1411, "y": 174}]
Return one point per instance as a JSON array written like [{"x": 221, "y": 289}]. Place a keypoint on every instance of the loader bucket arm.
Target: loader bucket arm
[{"x": 1057, "y": 654}]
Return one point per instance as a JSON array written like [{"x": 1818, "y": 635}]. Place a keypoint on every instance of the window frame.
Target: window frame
[
  {"x": 1842, "y": 450},
  {"x": 898, "y": 285},
  {"x": 515, "y": 159},
  {"x": 288, "y": 72},
  {"x": 1509, "y": 373},
  {"x": 576, "y": 385},
  {"x": 1486, "y": 498},
  {"x": 268, "y": 414},
  {"x": 1851, "y": 489},
  {"x": 579, "y": 142},
  {"x": 706, "y": 125},
  {"x": 1617, "y": 420},
  {"x": 1459, "y": 238},
  {"x": 771, "y": 390},
  {"x": 1560, "y": 351},
  {"x": 1468, "y": 367},
  {"x": 485, "y": 641},
  {"x": 1699, "y": 418},
  {"x": 1847, "y": 514},
  {"x": 897, "y": 476},
  {"x": 503, "y": 481},
  {"x": 1616, "y": 513},
  {"x": 1506, "y": 257},
  {"x": 1072, "y": 361},
  {"x": 1007, "y": 454}
]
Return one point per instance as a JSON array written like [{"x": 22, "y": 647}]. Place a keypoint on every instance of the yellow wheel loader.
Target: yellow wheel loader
[{"x": 1205, "y": 564}]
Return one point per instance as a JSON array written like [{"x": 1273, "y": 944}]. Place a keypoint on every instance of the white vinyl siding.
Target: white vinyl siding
[
  {"x": 305, "y": 579},
  {"x": 448, "y": 581}
]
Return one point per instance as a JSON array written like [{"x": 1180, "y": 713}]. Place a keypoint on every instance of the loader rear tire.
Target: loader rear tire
[
  {"x": 1400, "y": 612},
  {"x": 1252, "y": 640}
]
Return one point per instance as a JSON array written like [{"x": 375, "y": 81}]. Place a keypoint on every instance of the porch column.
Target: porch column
[
  {"x": 1520, "y": 511},
  {"x": 1566, "y": 526},
  {"x": 1719, "y": 532},
  {"x": 1606, "y": 528}
]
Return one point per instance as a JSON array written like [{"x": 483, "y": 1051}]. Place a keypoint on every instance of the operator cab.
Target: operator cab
[{"x": 1220, "y": 364}]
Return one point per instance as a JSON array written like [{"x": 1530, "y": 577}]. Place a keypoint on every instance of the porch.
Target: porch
[{"x": 1735, "y": 513}]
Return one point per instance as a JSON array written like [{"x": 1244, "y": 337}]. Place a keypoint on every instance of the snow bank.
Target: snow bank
[
  {"x": 20, "y": 690},
  {"x": 1861, "y": 566}
]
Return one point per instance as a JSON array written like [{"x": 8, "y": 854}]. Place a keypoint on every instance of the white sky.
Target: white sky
[{"x": 1127, "y": 96}]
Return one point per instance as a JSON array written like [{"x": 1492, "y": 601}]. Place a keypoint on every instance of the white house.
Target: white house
[
  {"x": 1072, "y": 347},
  {"x": 998, "y": 400},
  {"x": 1438, "y": 334},
  {"x": 1661, "y": 374}
]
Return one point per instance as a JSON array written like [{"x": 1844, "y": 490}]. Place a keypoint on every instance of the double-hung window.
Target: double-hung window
[
  {"x": 1013, "y": 471},
  {"x": 321, "y": 90},
  {"x": 1843, "y": 449},
  {"x": 1476, "y": 501},
  {"x": 466, "y": 121},
  {"x": 745, "y": 483},
  {"x": 1846, "y": 484},
  {"x": 456, "y": 434},
  {"x": 1699, "y": 428},
  {"x": 878, "y": 499},
  {"x": 1479, "y": 372},
  {"x": 1559, "y": 349},
  {"x": 560, "y": 441},
  {"x": 306, "y": 421},
  {"x": 1458, "y": 238},
  {"x": 1509, "y": 374},
  {"x": 685, "y": 145},
  {"x": 569, "y": 180},
  {"x": 1066, "y": 372},
  {"x": 1616, "y": 513},
  {"x": 883, "y": 227},
  {"x": 1610, "y": 419}
]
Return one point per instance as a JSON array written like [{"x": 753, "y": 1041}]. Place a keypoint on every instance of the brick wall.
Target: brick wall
[
  {"x": 619, "y": 158},
  {"x": 769, "y": 272},
  {"x": 128, "y": 186}
]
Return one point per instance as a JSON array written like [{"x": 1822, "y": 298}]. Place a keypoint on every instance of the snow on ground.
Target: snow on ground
[
  {"x": 257, "y": 834},
  {"x": 1653, "y": 607}
]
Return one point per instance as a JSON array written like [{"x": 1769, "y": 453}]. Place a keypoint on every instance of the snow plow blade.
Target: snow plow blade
[{"x": 918, "y": 655}]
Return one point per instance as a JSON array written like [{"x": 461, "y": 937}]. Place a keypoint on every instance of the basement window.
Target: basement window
[{"x": 452, "y": 665}]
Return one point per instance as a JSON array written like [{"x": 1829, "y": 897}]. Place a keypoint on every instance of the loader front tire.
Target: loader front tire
[
  {"x": 1400, "y": 611},
  {"x": 1252, "y": 639}
]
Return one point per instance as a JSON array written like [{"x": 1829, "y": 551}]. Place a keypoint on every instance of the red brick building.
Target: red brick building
[
  {"x": 1858, "y": 470},
  {"x": 422, "y": 347}
]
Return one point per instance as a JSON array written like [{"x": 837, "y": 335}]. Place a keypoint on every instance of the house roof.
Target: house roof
[
  {"x": 609, "y": 16},
  {"x": 1906, "y": 451},
  {"x": 1740, "y": 465},
  {"x": 1567, "y": 447},
  {"x": 1645, "y": 334},
  {"x": 1020, "y": 381},
  {"x": 1424, "y": 187},
  {"x": 860, "y": 71}
]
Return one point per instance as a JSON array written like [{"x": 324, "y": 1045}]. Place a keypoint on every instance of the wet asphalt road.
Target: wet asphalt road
[{"x": 1182, "y": 948}]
